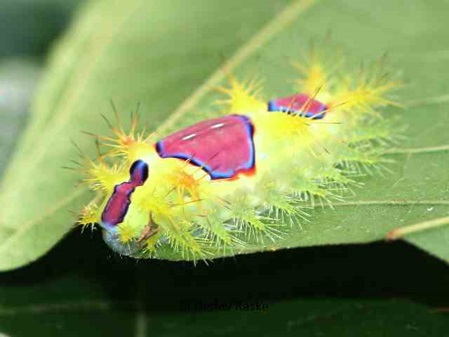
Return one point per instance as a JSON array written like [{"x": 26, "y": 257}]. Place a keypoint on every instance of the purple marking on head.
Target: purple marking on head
[
  {"x": 303, "y": 104},
  {"x": 118, "y": 204},
  {"x": 223, "y": 147}
]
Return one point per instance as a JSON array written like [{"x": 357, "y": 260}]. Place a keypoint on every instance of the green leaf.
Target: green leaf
[{"x": 168, "y": 55}]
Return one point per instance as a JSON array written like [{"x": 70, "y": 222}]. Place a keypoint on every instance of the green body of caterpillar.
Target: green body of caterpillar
[{"x": 244, "y": 176}]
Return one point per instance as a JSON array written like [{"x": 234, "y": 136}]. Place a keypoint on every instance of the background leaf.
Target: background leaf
[
  {"x": 367, "y": 291},
  {"x": 18, "y": 79},
  {"x": 163, "y": 54},
  {"x": 28, "y": 26}
]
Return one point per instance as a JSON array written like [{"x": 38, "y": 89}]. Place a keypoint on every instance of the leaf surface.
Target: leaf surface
[{"x": 169, "y": 55}]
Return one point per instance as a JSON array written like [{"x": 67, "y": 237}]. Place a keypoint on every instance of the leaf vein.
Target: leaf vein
[{"x": 427, "y": 149}]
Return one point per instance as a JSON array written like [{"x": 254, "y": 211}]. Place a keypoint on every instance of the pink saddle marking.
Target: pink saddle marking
[{"x": 223, "y": 147}]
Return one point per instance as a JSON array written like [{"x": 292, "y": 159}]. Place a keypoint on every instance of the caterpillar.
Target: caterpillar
[{"x": 245, "y": 174}]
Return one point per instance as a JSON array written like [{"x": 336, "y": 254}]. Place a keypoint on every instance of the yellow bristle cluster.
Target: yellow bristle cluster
[{"x": 242, "y": 96}]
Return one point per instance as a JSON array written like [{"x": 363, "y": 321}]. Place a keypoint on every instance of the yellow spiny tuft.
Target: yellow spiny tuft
[
  {"x": 283, "y": 125},
  {"x": 243, "y": 97},
  {"x": 151, "y": 244},
  {"x": 313, "y": 77},
  {"x": 131, "y": 145},
  {"x": 334, "y": 82},
  {"x": 127, "y": 233},
  {"x": 89, "y": 215},
  {"x": 157, "y": 205},
  {"x": 186, "y": 185},
  {"x": 365, "y": 93},
  {"x": 317, "y": 71},
  {"x": 100, "y": 176}
]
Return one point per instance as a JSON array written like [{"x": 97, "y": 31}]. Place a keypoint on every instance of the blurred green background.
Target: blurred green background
[
  {"x": 27, "y": 29},
  {"x": 81, "y": 288}
]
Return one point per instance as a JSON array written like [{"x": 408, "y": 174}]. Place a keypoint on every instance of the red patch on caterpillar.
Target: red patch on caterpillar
[{"x": 223, "y": 147}]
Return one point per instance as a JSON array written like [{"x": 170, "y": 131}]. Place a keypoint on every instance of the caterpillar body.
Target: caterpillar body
[{"x": 246, "y": 174}]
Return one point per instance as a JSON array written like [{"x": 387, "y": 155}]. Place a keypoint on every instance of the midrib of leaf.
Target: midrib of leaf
[
  {"x": 386, "y": 203},
  {"x": 417, "y": 227},
  {"x": 427, "y": 149},
  {"x": 401, "y": 232}
]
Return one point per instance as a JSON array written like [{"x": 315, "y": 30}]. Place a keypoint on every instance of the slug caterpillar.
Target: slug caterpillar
[{"x": 246, "y": 173}]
